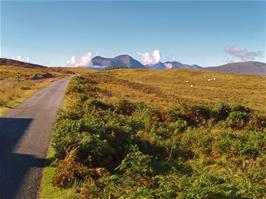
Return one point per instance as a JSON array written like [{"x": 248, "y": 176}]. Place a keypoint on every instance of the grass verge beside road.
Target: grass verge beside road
[{"x": 48, "y": 191}]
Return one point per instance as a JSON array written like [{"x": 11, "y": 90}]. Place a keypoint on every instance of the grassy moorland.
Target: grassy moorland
[
  {"x": 170, "y": 87},
  {"x": 159, "y": 134},
  {"x": 18, "y": 83}
]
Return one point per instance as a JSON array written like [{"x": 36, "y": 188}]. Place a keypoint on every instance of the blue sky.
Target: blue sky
[{"x": 193, "y": 32}]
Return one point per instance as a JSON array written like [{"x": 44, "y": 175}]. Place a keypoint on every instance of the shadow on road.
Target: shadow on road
[{"x": 14, "y": 166}]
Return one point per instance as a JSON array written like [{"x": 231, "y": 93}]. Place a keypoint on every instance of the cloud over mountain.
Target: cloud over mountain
[
  {"x": 23, "y": 59},
  {"x": 150, "y": 58},
  {"x": 242, "y": 54},
  {"x": 83, "y": 61}
]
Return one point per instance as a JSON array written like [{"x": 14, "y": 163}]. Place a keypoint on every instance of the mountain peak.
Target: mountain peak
[{"x": 118, "y": 61}]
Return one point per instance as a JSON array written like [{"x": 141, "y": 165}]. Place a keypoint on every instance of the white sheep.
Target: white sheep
[{"x": 211, "y": 79}]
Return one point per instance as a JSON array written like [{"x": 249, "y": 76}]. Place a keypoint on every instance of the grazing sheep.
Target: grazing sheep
[
  {"x": 186, "y": 81},
  {"x": 211, "y": 79},
  {"x": 191, "y": 85}
]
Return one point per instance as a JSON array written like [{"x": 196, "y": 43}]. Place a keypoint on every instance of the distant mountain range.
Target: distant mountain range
[
  {"x": 129, "y": 62},
  {"x": 126, "y": 61},
  {"x": 251, "y": 67}
]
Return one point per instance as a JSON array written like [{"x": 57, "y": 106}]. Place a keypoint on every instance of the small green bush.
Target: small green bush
[
  {"x": 125, "y": 107},
  {"x": 220, "y": 112},
  {"x": 242, "y": 109},
  {"x": 201, "y": 113},
  {"x": 237, "y": 120},
  {"x": 135, "y": 163}
]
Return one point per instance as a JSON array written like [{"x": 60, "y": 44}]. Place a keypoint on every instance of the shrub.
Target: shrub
[
  {"x": 257, "y": 122},
  {"x": 166, "y": 186},
  {"x": 220, "y": 112},
  {"x": 94, "y": 152},
  {"x": 206, "y": 186},
  {"x": 74, "y": 113},
  {"x": 125, "y": 107},
  {"x": 82, "y": 85},
  {"x": 242, "y": 109},
  {"x": 120, "y": 141},
  {"x": 237, "y": 120},
  {"x": 69, "y": 171},
  {"x": 92, "y": 104},
  {"x": 178, "y": 126},
  {"x": 135, "y": 163},
  {"x": 248, "y": 144},
  {"x": 224, "y": 145},
  {"x": 200, "y": 113},
  {"x": 205, "y": 142},
  {"x": 66, "y": 137},
  {"x": 196, "y": 114},
  {"x": 156, "y": 115},
  {"x": 174, "y": 115}
]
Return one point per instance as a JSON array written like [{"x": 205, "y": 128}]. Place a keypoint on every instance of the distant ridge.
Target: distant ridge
[
  {"x": 250, "y": 68},
  {"x": 12, "y": 62},
  {"x": 127, "y": 61},
  {"x": 171, "y": 65},
  {"x": 119, "y": 61},
  {"x": 158, "y": 66}
]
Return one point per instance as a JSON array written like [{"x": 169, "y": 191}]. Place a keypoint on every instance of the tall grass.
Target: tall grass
[
  {"x": 10, "y": 90},
  {"x": 13, "y": 89}
]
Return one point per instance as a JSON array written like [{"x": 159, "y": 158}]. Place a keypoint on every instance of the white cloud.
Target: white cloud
[
  {"x": 72, "y": 61},
  {"x": 83, "y": 61},
  {"x": 168, "y": 58},
  {"x": 242, "y": 54},
  {"x": 23, "y": 59},
  {"x": 150, "y": 58},
  {"x": 168, "y": 65}
]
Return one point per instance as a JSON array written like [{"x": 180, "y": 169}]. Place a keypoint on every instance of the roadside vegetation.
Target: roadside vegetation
[
  {"x": 133, "y": 134},
  {"x": 18, "y": 83}
]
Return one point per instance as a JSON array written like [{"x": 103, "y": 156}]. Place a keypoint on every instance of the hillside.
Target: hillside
[
  {"x": 20, "y": 80},
  {"x": 11, "y": 62},
  {"x": 251, "y": 68},
  {"x": 182, "y": 133},
  {"x": 167, "y": 87}
]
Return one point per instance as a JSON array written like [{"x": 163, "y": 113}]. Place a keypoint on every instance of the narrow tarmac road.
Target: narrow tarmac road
[{"x": 24, "y": 139}]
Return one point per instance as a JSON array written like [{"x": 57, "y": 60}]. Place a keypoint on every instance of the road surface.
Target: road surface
[{"x": 24, "y": 139}]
